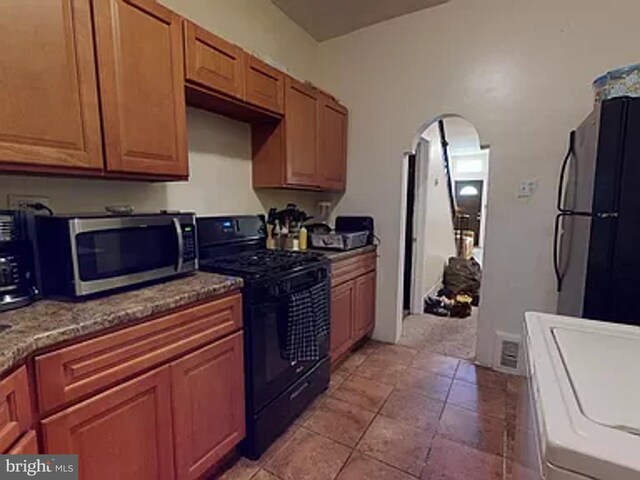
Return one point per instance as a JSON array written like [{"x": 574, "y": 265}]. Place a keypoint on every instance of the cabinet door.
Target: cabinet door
[
  {"x": 49, "y": 113},
  {"x": 332, "y": 161},
  {"x": 365, "y": 304},
  {"x": 140, "y": 64},
  {"x": 27, "y": 445},
  {"x": 342, "y": 318},
  {"x": 208, "y": 405},
  {"x": 301, "y": 117},
  {"x": 213, "y": 62},
  {"x": 264, "y": 85},
  {"x": 15, "y": 407},
  {"x": 124, "y": 433}
]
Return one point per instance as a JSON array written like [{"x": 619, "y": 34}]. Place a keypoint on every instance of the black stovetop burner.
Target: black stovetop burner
[{"x": 261, "y": 262}]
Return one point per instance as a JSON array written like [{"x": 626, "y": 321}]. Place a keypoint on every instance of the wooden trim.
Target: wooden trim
[
  {"x": 49, "y": 170},
  {"x": 15, "y": 408},
  {"x": 230, "y": 107},
  {"x": 79, "y": 370}
]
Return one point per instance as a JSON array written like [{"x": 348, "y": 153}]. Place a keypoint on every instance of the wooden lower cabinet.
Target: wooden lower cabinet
[
  {"x": 365, "y": 304},
  {"x": 27, "y": 445},
  {"x": 124, "y": 433},
  {"x": 15, "y": 408},
  {"x": 175, "y": 422},
  {"x": 342, "y": 314},
  {"x": 353, "y": 306},
  {"x": 208, "y": 405}
]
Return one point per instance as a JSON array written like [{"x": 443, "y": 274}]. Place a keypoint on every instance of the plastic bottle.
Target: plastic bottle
[{"x": 303, "y": 238}]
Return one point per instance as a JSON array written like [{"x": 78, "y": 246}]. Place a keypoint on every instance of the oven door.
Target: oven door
[
  {"x": 110, "y": 253},
  {"x": 268, "y": 373}
]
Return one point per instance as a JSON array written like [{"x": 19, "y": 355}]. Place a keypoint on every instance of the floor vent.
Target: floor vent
[{"x": 509, "y": 351}]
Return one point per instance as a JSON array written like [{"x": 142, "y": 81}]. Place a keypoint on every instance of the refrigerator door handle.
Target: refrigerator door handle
[
  {"x": 556, "y": 251},
  {"x": 563, "y": 171}
]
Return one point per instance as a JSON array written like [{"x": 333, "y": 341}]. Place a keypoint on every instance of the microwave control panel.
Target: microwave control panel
[{"x": 189, "y": 242}]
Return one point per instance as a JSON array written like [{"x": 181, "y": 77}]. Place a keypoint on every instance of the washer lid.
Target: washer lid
[
  {"x": 585, "y": 379},
  {"x": 603, "y": 370}
]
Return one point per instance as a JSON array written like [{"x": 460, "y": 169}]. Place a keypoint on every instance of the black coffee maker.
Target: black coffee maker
[{"x": 18, "y": 286}]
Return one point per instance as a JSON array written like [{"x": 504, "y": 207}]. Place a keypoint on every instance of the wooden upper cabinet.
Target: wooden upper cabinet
[
  {"x": 264, "y": 85},
  {"x": 301, "y": 121},
  {"x": 140, "y": 65},
  {"x": 212, "y": 62},
  {"x": 123, "y": 433},
  {"x": 308, "y": 149},
  {"x": 49, "y": 113},
  {"x": 15, "y": 407},
  {"x": 332, "y": 158},
  {"x": 208, "y": 405}
]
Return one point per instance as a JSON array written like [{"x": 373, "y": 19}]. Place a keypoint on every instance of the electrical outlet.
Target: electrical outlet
[
  {"x": 22, "y": 202},
  {"x": 527, "y": 188}
]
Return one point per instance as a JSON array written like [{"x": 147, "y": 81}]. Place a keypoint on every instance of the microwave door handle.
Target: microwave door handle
[{"x": 178, "y": 227}]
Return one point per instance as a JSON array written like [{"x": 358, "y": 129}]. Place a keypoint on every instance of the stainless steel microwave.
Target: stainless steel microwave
[{"x": 82, "y": 255}]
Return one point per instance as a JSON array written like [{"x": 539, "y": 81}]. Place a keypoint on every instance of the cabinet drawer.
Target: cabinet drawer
[
  {"x": 76, "y": 371},
  {"x": 345, "y": 270},
  {"x": 264, "y": 85},
  {"x": 213, "y": 62},
  {"x": 27, "y": 445},
  {"x": 15, "y": 408}
]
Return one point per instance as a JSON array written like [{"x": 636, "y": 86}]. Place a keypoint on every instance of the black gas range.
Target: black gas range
[{"x": 277, "y": 390}]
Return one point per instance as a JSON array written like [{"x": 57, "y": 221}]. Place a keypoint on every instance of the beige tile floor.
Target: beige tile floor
[{"x": 401, "y": 412}]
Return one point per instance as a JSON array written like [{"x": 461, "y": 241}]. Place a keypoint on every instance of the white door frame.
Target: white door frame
[{"x": 419, "y": 222}]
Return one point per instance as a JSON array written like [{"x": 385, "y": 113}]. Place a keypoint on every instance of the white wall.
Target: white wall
[
  {"x": 219, "y": 148},
  {"x": 439, "y": 241},
  {"x": 520, "y": 71}
]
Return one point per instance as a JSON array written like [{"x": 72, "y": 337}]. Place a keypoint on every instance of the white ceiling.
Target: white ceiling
[{"x": 325, "y": 19}]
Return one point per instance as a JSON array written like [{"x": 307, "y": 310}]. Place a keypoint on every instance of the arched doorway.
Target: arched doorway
[{"x": 447, "y": 181}]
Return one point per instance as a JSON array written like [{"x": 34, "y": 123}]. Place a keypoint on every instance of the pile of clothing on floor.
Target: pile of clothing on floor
[{"x": 460, "y": 290}]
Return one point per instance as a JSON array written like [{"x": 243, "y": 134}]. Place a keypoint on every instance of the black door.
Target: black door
[
  {"x": 469, "y": 202},
  {"x": 408, "y": 235}
]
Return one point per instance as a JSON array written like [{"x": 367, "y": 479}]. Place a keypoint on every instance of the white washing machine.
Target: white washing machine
[{"x": 584, "y": 378}]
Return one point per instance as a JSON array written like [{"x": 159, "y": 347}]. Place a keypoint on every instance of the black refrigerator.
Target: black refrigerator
[{"x": 597, "y": 228}]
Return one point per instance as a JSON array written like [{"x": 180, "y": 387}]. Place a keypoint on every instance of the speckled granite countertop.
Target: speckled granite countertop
[
  {"x": 47, "y": 322},
  {"x": 337, "y": 255}
]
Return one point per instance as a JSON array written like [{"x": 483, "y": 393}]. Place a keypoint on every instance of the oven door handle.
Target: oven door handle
[
  {"x": 178, "y": 227},
  {"x": 299, "y": 390}
]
